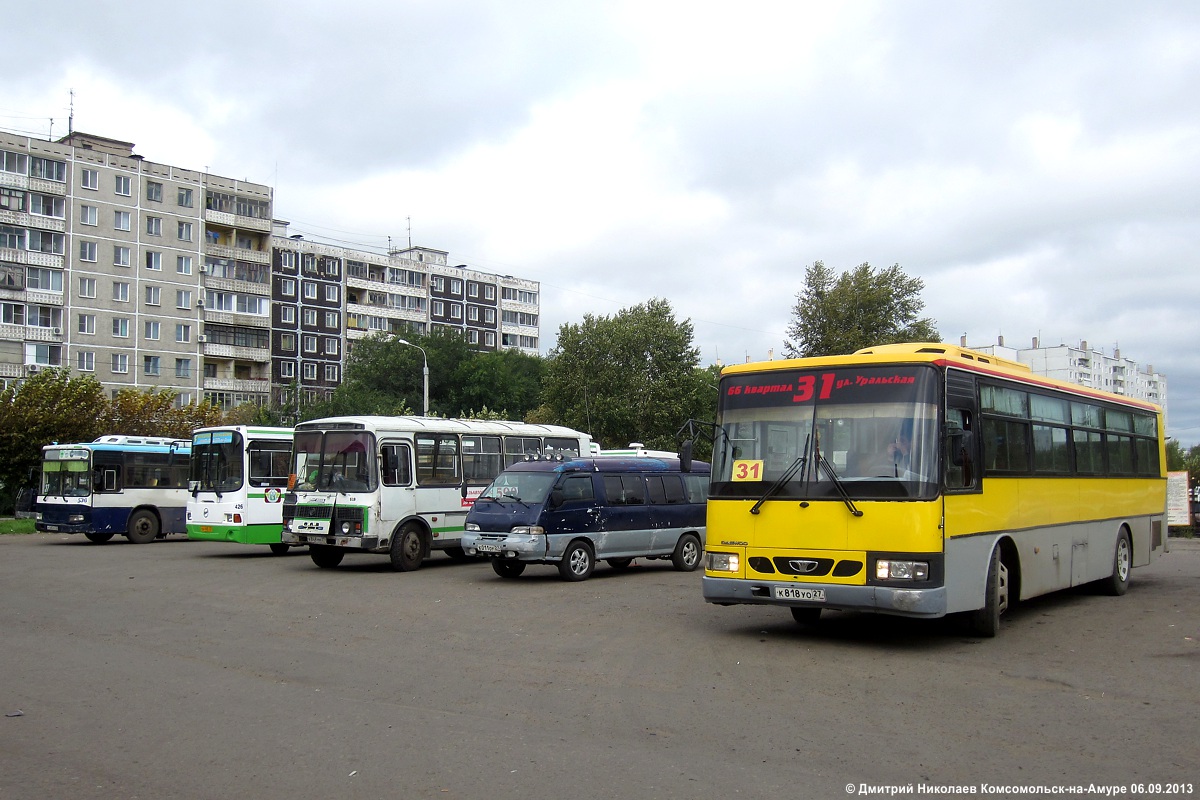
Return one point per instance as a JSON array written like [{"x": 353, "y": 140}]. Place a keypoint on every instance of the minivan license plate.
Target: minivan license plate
[
  {"x": 799, "y": 593},
  {"x": 488, "y": 548}
]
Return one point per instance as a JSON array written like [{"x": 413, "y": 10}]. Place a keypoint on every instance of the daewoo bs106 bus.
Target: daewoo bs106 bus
[
  {"x": 130, "y": 485},
  {"x": 924, "y": 480},
  {"x": 401, "y": 485},
  {"x": 238, "y": 477}
]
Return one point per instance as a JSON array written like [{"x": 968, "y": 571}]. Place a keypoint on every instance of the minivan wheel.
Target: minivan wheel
[
  {"x": 507, "y": 569},
  {"x": 687, "y": 553},
  {"x": 577, "y": 562}
]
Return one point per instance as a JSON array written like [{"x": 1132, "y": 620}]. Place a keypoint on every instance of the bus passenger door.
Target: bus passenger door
[{"x": 397, "y": 495}]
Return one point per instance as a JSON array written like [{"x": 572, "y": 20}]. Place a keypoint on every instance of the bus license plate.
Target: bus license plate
[
  {"x": 799, "y": 593},
  {"x": 488, "y": 548},
  {"x": 206, "y": 528}
]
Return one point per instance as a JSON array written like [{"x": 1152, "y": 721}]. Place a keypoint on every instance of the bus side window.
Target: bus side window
[
  {"x": 396, "y": 461},
  {"x": 960, "y": 448}
]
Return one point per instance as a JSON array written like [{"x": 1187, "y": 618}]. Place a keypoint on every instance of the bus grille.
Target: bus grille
[{"x": 309, "y": 512}]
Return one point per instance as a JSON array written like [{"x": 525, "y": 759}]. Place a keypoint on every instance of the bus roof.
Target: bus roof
[
  {"x": 438, "y": 424},
  {"x": 604, "y": 463},
  {"x": 939, "y": 354},
  {"x": 253, "y": 430}
]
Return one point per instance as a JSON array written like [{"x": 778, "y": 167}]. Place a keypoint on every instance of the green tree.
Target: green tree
[
  {"x": 153, "y": 413},
  {"x": 51, "y": 406},
  {"x": 629, "y": 377},
  {"x": 863, "y": 307}
]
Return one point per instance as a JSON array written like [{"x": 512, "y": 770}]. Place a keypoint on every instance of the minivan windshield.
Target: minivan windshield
[{"x": 523, "y": 487}]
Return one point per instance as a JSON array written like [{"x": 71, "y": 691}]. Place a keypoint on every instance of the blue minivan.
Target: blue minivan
[{"x": 573, "y": 513}]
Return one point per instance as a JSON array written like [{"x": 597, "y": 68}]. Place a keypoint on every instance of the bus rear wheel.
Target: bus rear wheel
[
  {"x": 407, "y": 550},
  {"x": 143, "y": 527},
  {"x": 324, "y": 556},
  {"x": 98, "y": 538},
  {"x": 1118, "y": 583},
  {"x": 986, "y": 621}
]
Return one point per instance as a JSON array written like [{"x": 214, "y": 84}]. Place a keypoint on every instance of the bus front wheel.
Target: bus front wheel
[
  {"x": 324, "y": 556},
  {"x": 806, "y": 615},
  {"x": 98, "y": 538},
  {"x": 1118, "y": 583},
  {"x": 986, "y": 621},
  {"x": 279, "y": 548},
  {"x": 407, "y": 550},
  {"x": 143, "y": 527}
]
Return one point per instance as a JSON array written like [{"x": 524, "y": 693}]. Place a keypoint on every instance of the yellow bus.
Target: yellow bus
[{"x": 923, "y": 480}]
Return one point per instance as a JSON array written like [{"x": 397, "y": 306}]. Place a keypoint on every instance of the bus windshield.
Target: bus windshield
[
  {"x": 217, "y": 462},
  {"x": 334, "y": 461},
  {"x": 870, "y": 432},
  {"x": 63, "y": 478}
]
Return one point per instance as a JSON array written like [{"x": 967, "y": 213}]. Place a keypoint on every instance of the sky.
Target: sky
[{"x": 1035, "y": 164}]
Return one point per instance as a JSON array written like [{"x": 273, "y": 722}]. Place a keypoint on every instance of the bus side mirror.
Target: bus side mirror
[
  {"x": 463, "y": 489},
  {"x": 685, "y": 456},
  {"x": 556, "y": 498}
]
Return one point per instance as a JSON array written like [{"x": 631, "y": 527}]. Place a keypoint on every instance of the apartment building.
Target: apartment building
[
  {"x": 1086, "y": 366},
  {"x": 151, "y": 276}
]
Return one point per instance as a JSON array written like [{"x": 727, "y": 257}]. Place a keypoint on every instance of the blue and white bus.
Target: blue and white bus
[{"x": 136, "y": 486}]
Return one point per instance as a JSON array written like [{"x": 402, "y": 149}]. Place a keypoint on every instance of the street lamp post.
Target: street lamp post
[{"x": 425, "y": 371}]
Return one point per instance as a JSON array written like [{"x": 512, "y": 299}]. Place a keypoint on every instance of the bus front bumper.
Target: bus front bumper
[
  {"x": 840, "y": 597},
  {"x": 351, "y": 542}
]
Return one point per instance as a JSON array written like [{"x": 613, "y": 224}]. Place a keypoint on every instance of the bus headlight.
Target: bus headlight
[
  {"x": 75, "y": 518},
  {"x": 724, "y": 562},
  {"x": 348, "y": 527},
  {"x": 894, "y": 570}
]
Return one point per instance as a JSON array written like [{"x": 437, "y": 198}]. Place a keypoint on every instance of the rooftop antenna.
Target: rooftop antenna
[
  {"x": 71, "y": 116},
  {"x": 409, "y": 232}
]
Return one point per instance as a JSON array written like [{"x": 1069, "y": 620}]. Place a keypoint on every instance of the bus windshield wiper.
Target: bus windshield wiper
[
  {"x": 787, "y": 475},
  {"x": 837, "y": 482}
]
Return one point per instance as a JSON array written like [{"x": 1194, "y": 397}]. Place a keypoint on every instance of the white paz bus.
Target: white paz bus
[{"x": 402, "y": 485}]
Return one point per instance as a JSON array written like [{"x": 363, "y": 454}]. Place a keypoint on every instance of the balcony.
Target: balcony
[
  {"x": 234, "y": 285},
  {"x": 30, "y": 258},
  {"x": 243, "y": 385},
  {"x": 36, "y": 334},
  {"x": 260, "y": 355},
  {"x": 12, "y": 370},
  {"x": 236, "y": 253},
  {"x": 24, "y": 219},
  {"x": 234, "y": 318},
  {"x": 235, "y": 221}
]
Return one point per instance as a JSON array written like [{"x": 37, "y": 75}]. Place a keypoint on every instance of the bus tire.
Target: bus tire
[
  {"x": 98, "y": 538},
  {"x": 507, "y": 569},
  {"x": 143, "y": 527},
  {"x": 985, "y": 622},
  {"x": 407, "y": 549},
  {"x": 619, "y": 563},
  {"x": 577, "y": 562},
  {"x": 687, "y": 553},
  {"x": 325, "y": 556},
  {"x": 279, "y": 548},
  {"x": 806, "y": 615},
  {"x": 1118, "y": 583}
]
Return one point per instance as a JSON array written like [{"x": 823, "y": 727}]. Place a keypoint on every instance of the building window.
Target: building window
[
  {"x": 120, "y": 291},
  {"x": 287, "y": 287},
  {"x": 455, "y": 311},
  {"x": 310, "y": 344},
  {"x": 310, "y": 371},
  {"x": 331, "y": 293},
  {"x": 287, "y": 369},
  {"x": 12, "y": 199},
  {"x": 183, "y": 333},
  {"x": 472, "y": 289},
  {"x": 489, "y": 292},
  {"x": 185, "y": 231},
  {"x": 87, "y": 324},
  {"x": 87, "y": 287},
  {"x": 437, "y": 283},
  {"x": 331, "y": 373},
  {"x": 331, "y": 319},
  {"x": 87, "y": 251},
  {"x": 88, "y": 215},
  {"x": 310, "y": 290},
  {"x": 90, "y": 179},
  {"x": 120, "y": 255},
  {"x": 121, "y": 220},
  {"x": 153, "y": 260},
  {"x": 47, "y": 168},
  {"x": 183, "y": 298},
  {"x": 152, "y": 330},
  {"x": 85, "y": 361},
  {"x": 287, "y": 342},
  {"x": 154, "y": 192},
  {"x": 331, "y": 346},
  {"x": 185, "y": 197},
  {"x": 183, "y": 368},
  {"x": 472, "y": 314},
  {"x": 287, "y": 259},
  {"x": 120, "y": 328},
  {"x": 120, "y": 363},
  {"x": 489, "y": 316},
  {"x": 310, "y": 317},
  {"x": 489, "y": 339},
  {"x": 456, "y": 287},
  {"x": 154, "y": 226},
  {"x": 47, "y": 280},
  {"x": 183, "y": 265},
  {"x": 437, "y": 308},
  {"x": 153, "y": 295},
  {"x": 287, "y": 314},
  {"x": 150, "y": 365},
  {"x": 122, "y": 185}
]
